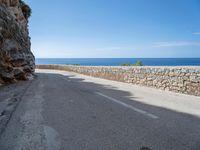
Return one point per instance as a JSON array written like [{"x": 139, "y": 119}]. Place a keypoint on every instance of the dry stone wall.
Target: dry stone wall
[{"x": 177, "y": 79}]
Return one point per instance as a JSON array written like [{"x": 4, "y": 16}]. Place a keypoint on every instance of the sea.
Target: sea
[{"x": 120, "y": 61}]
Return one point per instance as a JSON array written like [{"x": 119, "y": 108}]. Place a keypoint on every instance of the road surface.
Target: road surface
[{"x": 67, "y": 111}]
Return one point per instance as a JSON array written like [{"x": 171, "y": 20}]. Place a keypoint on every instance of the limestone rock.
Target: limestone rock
[
  {"x": 177, "y": 79},
  {"x": 16, "y": 59}
]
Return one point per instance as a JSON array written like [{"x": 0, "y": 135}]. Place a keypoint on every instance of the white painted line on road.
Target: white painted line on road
[
  {"x": 67, "y": 79},
  {"x": 129, "y": 106}
]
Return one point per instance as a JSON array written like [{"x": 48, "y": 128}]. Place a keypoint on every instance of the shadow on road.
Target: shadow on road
[
  {"x": 86, "y": 120},
  {"x": 173, "y": 130}
]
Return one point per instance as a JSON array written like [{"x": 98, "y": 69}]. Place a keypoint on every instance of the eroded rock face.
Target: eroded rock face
[{"x": 16, "y": 59}]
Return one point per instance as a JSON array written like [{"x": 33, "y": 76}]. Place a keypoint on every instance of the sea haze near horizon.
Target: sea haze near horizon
[{"x": 120, "y": 61}]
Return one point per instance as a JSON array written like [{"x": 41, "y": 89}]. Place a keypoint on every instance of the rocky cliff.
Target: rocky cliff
[{"x": 16, "y": 59}]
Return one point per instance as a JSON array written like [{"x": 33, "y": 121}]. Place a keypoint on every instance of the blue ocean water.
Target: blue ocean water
[{"x": 119, "y": 61}]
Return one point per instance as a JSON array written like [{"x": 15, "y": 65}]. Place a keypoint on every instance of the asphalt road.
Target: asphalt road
[{"x": 67, "y": 111}]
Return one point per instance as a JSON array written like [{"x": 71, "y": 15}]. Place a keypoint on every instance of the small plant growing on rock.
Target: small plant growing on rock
[
  {"x": 139, "y": 63},
  {"x": 76, "y": 64},
  {"x": 126, "y": 64},
  {"x": 25, "y": 9}
]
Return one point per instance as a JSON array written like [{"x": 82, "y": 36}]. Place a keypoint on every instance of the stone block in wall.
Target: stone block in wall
[{"x": 177, "y": 79}]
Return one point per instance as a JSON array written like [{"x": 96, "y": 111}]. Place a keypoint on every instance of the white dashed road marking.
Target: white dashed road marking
[{"x": 129, "y": 106}]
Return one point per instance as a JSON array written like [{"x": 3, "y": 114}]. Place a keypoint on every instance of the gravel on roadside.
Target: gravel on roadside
[{"x": 10, "y": 96}]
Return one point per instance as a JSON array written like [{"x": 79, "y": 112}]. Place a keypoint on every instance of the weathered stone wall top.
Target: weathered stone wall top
[{"x": 177, "y": 79}]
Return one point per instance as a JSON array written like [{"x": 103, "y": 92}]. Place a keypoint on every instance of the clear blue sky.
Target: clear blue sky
[{"x": 115, "y": 28}]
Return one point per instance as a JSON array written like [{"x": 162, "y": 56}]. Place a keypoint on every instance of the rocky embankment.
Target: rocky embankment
[
  {"x": 177, "y": 79},
  {"x": 16, "y": 59}
]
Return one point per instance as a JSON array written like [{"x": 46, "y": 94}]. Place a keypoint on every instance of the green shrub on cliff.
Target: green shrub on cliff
[
  {"x": 138, "y": 63},
  {"x": 25, "y": 9},
  {"x": 126, "y": 64},
  {"x": 76, "y": 64}
]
